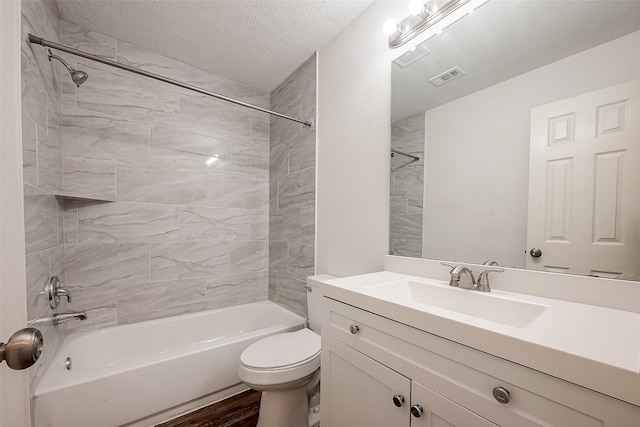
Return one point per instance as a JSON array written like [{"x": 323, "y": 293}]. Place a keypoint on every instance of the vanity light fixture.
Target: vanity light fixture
[
  {"x": 418, "y": 8},
  {"x": 390, "y": 28},
  {"x": 423, "y": 14}
]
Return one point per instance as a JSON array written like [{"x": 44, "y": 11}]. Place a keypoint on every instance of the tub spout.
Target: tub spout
[{"x": 60, "y": 318}]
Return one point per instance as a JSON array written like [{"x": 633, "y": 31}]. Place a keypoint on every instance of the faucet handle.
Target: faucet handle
[
  {"x": 448, "y": 264},
  {"x": 63, "y": 292},
  {"x": 483, "y": 279},
  {"x": 54, "y": 291},
  {"x": 455, "y": 276}
]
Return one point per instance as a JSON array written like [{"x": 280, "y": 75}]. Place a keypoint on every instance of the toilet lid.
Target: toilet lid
[{"x": 282, "y": 350}]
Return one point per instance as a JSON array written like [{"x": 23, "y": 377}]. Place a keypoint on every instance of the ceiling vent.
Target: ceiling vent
[
  {"x": 447, "y": 76},
  {"x": 411, "y": 56}
]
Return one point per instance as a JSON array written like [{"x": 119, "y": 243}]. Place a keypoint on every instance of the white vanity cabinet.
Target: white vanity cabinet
[
  {"x": 362, "y": 390},
  {"x": 369, "y": 361},
  {"x": 367, "y": 393}
]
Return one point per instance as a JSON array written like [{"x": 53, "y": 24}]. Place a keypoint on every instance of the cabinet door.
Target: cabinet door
[
  {"x": 358, "y": 391},
  {"x": 439, "y": 411}
]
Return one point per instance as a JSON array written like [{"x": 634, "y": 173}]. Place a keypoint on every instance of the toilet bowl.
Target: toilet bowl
[{"x": 285, "y": 368}]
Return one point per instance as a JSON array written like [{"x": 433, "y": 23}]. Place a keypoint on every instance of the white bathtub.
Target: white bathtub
[{"x": 123, "y": 374}]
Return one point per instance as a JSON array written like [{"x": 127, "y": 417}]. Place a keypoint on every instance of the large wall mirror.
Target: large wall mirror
[{"x": 515, "y": 139}]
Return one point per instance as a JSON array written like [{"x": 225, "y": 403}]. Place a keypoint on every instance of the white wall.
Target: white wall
[
  {"x": 485, "y": 180},
  {"x": 14, "y": 397},
  {"x": 353, "y": 131},
  {"x": 353, "y": 140}
]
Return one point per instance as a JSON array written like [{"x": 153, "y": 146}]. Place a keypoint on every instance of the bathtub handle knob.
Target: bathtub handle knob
[
  {"x": 54, "y": 291},
  {"x": 354, "y": 329}
]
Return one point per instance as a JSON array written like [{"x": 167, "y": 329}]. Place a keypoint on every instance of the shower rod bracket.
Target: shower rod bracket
[
  {"x": 394, "y": 152},
  {"x": 33, "y": 39}
]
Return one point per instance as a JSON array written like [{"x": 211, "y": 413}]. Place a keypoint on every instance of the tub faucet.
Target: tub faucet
[
  {"x": 64, "y": 292},
  {"x": 60, "y": 318},
  {"x": 54, "y": 291}
]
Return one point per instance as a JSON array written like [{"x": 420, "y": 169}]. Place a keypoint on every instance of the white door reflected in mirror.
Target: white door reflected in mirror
[{"x": 583, "y": 204}]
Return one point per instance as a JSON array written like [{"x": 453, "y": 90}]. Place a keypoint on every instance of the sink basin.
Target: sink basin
[{"x": 483, "y": 305}]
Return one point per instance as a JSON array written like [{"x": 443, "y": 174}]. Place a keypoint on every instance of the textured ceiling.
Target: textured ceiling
[
  {"x": 255, "y": 42},
  {"x": 503, "y": 39}
]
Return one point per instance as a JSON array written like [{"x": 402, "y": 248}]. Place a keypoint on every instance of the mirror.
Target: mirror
[{"x": 483, "y": 103}]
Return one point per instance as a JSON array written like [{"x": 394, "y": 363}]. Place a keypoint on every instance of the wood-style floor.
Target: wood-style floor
[{"x": 240, "y": 410}]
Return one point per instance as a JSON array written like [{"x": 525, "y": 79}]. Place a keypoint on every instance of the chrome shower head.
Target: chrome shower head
[{"x": 77, "y": 76}]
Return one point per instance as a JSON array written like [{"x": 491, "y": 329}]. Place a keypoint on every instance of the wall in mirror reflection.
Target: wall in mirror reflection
[
  {"x": 476, "y": 159},
  {"x": 407, "y": 187}
]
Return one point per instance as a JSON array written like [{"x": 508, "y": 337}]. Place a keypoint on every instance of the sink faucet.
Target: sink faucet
[
  {"x": 483, "y": 279},
  {"x": 462, "y": 277},
  {"x": 60, "y": 318}
]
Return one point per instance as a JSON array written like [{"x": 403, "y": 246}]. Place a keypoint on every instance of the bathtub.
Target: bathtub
[{"x": 127, "y": 375}]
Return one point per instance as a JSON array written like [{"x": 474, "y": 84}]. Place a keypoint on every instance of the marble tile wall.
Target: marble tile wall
[
  {"x": 188, "y": 230},
  {"x": 407, "y": 188},
  {"x": 292, "y": 189},
  {"x": 42, "y": 172},
  {"x": 203, "y": 191}
]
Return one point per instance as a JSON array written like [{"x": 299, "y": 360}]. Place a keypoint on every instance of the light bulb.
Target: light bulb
[
  {"x": 390, "y": 27},
  {"x": 416, "y": 7}
]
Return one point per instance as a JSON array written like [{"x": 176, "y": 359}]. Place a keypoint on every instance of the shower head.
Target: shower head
[{"x": 77, "y": 76}]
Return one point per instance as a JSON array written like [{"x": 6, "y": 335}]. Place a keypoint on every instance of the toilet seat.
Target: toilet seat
[
  {"x": 282, "y": 351},
  {"x": 281, "y": 358}
]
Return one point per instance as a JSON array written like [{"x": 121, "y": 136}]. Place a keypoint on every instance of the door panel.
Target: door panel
[
  {"x": 14, "y": 402},
  {"x": 584, "y": 183},
  {"x": 442, "y": 412},
  {"x": 358, "y": 391}
]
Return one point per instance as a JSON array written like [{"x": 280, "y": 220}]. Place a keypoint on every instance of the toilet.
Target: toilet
[{"x": 286, "y": 369}]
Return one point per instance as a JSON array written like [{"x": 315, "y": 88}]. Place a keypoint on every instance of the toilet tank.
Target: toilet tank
[{"x": 314, "y": 300}]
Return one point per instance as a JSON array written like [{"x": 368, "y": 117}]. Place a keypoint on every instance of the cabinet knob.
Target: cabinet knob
[
  {"x": 398, "y": 400},
  {"x": 501, "y": 394},
  {"x": 416, "y": 410},
  {"x": 354, "y": 329}
]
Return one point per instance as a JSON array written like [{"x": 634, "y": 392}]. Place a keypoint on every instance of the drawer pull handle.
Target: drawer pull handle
[
  {"x": 398, "y": 400},
  {"x": 501, "y": 394},
  {"x": 354, "y": 329},
  {"x": 416, "y": 410}
]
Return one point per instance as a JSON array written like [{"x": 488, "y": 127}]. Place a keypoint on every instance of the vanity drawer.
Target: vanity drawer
[{"x": 469, "y": 377}]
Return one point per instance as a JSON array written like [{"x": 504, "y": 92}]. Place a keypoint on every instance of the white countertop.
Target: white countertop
[{"x": 592, "y": 346}]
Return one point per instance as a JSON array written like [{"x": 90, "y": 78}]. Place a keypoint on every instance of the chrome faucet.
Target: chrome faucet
[
  {"x": 483, "y": 279},
  {"x": 54, "y": 291},
  {"x": 462, "y": 277},
  {"x": 64, "y": 293},
  {"x": 60, "y": 318}
]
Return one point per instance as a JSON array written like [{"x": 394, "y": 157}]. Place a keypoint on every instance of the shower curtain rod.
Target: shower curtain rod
[
  {"x": 393, "y": 152},
  {"x": 53, "y": 45}
]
